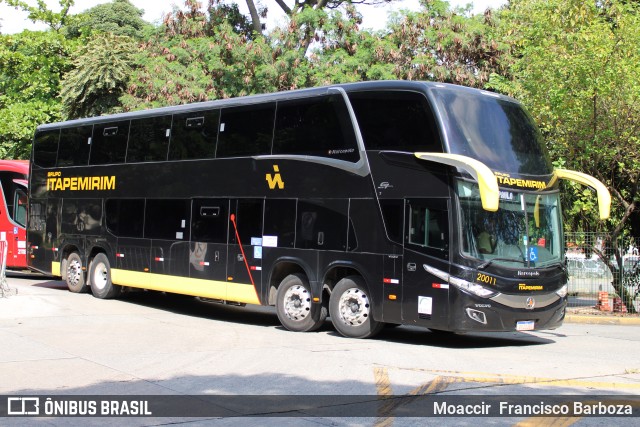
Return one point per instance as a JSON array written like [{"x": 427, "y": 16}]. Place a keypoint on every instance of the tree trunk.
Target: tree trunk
[{"x": 255, "y": 18}]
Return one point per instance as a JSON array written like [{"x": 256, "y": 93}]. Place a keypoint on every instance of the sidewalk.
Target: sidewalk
[{"x": 589, "y": 315}]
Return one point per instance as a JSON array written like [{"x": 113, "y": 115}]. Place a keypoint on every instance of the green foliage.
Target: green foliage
[
  {"x": 445, "y": 45},
  {"x": 31, "y": 65},
  {"x": 18, "y": 122},
  {"x": 118, "y": 17},
  {"x": 100, "y": 75},
  {"x": 220, "y": 13},
  {"x": 42, "y": 13},
  {"x": 190, "y": 59}
]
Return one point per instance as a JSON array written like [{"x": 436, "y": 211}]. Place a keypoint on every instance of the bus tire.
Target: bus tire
[
  {"x": 295, "y": 307},
  {"x": 351, "y": 310},
  {"x": 100, "y": 278},
  {"x": 74, "y": 273}
]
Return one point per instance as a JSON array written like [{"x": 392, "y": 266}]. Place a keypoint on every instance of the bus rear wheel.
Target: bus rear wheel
[
  {"x": 351, "y": 311},
  {"x": 74, "y": 273},
  {"x": 295, "y": 307},
  {"x": 100, "y": 278}
]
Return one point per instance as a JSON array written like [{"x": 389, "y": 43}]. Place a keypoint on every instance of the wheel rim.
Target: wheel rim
[
  {"x": 74, "y": 272},
  {"x": 353, "y": 307},
  {"x": 297, "y": 303},
  {"x": 100, "y": 276}
]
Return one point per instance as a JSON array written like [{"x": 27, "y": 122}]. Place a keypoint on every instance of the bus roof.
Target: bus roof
[
  {"x": 19, "y": 166},
  {"x": 277, "y": 96}
]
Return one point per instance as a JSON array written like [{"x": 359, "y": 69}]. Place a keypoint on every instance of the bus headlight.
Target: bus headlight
[
  {"x": 562, "y": 292},
  {"x": 472, "y": 288}
]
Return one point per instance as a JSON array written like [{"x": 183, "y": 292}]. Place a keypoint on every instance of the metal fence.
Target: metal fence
[{"x": 597, "y": 281}]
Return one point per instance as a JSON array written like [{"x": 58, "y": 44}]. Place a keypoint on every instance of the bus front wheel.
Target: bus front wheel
[
  {"x": 100, "y": 278},
  {"x": 74, "y": 274},
  {"x": 295, "y": 307},
  {"x": 351, "y": 310}
]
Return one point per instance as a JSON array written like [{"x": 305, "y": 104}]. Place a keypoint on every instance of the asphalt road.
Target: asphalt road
[{"x": 53, "y": 342}]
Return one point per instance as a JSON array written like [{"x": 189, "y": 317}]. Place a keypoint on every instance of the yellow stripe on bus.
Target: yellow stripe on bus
[
  {"x": 229, "y": 291},
  {"x": 55, "y": 269}
]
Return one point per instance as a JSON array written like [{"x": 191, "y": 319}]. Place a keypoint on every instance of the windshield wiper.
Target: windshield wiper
[{"x": 488, "y": 263}]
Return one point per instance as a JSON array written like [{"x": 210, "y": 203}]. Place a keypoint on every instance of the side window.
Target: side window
[
  {"x": 318, "y": 126},
  {"x": 395, "y": 120},
  {"x": 246, "y": 130},
  {"x": 149, "y": 139},
  {"x": 125, "y": 217},
  {"x": 210, "y": 219},
  {"x": 109, "y": 143},
  {"x": 193, "y": 135},
  {"x": 428, "y": 225},
  {"x": 167, "y": 219},
  {"x": 280, "y": 221},
  {"x": 20, "y": 207},
  {"x": 75, "y": 143},
  {"x": 45, "y": 148},
  {"x": 322, "y": 224},
  {"x": 393, "y": 215},
  {"x": 81, "y": 216},
  {"x": 248, "y": 219}
]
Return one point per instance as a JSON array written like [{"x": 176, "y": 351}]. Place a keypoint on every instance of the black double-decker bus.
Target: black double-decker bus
[{"x": 379, "y": 202}]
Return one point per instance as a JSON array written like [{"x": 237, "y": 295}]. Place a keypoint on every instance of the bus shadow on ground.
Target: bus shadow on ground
[
  {"x": 52, "y": 284},
  {"x": 266, "y": 317},
  {"x": 263, "y": 316}
]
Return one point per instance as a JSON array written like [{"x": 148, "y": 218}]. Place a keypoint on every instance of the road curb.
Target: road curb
[{"x": 602, "y": 320}]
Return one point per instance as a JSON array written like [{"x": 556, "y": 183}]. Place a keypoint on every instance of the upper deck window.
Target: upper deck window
[
  {"x": 109, "y": 143},
  {"x": 45, "y": 148},
  {"x": 194, "y": 135},
  {"x": 396, "y": 120},
  {"x": 149, "y": 139},
  {"x": 246, "y": 130},
  {"x": 75, "y": 143},
  {"x": 315, "y": 127},
  {"x": 494, "y": 130}
]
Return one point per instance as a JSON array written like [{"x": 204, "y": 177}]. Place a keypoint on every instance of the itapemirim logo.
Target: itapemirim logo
[{"x": 275, "y": 179}]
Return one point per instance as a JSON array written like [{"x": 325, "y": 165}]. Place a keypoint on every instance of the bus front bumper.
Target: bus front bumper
[{"x": 507, "y": 312}]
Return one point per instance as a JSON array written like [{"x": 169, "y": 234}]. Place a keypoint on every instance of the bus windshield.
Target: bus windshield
[
  {"x": 494, "y": 130},
  {"x": 524, "y": 232}
]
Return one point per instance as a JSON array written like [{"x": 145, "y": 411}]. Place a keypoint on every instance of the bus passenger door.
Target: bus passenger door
[
  {"x": 244, "y": 266},
  {"x": 17, "y": 236},
  {"x": 426, "y": 243}
]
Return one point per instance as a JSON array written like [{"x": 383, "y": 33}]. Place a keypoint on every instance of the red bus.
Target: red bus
[{"x": 14, "y": 176}]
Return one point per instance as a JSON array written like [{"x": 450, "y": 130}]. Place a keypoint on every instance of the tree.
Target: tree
[
  {"x": 575, "y": 65},
  {"x": 434, "y": 43},
  {"x": 257, "y": 11},
  {"x": 195, "y": 57},
  {"x": 118, "y": 17},
  {"x": 100, "y": 75},
  {"x": 41, "y": 13},
  {"x": 31, "y": 66}
]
